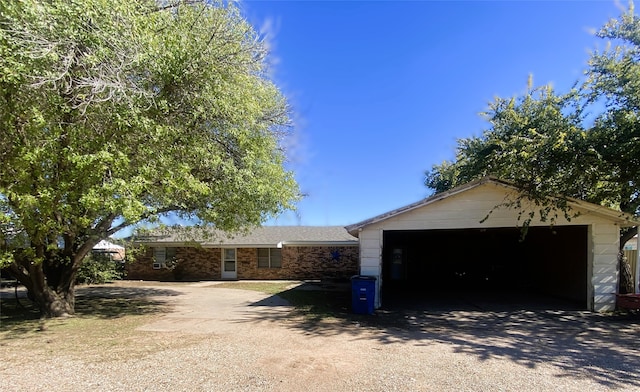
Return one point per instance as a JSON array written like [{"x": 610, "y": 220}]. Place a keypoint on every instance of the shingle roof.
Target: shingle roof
[{"x": 265, "y": 236}]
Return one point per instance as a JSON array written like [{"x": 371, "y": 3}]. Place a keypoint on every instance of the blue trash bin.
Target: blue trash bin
[{"x": 363, "y": 293}]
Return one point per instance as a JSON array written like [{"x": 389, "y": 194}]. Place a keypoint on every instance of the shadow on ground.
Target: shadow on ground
[
  {"x": 114, "y": 301},
  {"x": 528, "y": 331},
  {"x": 100, "y": 302},
  {"x": 603, "y": 348}
]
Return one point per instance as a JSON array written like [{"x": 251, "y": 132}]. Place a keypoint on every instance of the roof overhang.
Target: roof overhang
[
  {"x": 620, "y": 218},
  {"x": 319, "y": 243},
  {"x": 281, "y": 244}
]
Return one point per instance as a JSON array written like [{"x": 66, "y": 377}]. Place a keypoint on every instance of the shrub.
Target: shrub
[{"x": 98, "y": 269}]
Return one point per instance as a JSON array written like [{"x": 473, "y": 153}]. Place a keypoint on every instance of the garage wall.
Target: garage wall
[
  {"x": 606, "y": 242},
  {"x": 371, "y": 257},
  {"x": 468, "y": 208}
]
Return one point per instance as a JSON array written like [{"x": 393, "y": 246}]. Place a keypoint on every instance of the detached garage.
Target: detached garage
[{"x": 444, "y": 242}]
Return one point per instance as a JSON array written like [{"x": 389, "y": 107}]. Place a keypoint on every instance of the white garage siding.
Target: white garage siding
[
  {"x": 371, "y": 258},
  {"x": 465, "y": 207},
  {"x": 605, "y": 239}
]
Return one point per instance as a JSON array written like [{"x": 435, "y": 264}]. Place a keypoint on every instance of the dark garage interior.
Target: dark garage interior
[{"x": 547, "y": 263}]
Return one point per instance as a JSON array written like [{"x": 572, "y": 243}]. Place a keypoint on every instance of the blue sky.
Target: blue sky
[{"x": 382, "y": 90}]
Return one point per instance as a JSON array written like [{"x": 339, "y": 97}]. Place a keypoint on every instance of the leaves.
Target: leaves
[
  {"x": 545, "y": 144},
  {"x": 117, "y": 112}
]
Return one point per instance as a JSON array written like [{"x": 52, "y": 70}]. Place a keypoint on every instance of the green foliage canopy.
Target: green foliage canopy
[
  {"x": 116, "y": 112},
  {"x": 583, "y": 144}
]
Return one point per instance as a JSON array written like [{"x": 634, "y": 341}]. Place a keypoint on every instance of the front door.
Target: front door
[{"x": 229, "y": 264}]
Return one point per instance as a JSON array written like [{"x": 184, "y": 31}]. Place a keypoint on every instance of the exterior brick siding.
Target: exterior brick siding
[
  {"x": 309, "y": 262},
  {"x": 195, "y": 263}
]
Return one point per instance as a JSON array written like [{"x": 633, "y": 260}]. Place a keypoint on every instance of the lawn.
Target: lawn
[
  {"x": 313, "y": 301},
  {"x": 102, "y": 328}
]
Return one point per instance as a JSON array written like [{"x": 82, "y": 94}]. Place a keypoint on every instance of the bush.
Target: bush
[{"x": 98, "y": 269}]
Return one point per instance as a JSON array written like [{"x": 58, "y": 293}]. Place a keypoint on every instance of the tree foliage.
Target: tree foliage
[
  {"x": 614, "y": 80},
  {"x": 583, "y": 144},
  {"x": 550, "y": 145},
  {"x": 118, "y": 112}
]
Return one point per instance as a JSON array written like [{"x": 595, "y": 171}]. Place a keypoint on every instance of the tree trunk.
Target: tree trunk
[
  {"x": 626, "y": 278},
  {"x": 52, "y": 289},
  {"x": 55, "y": 304},
  {"x": 626, "y": 285},
  {"x": 55, "y": 296}
]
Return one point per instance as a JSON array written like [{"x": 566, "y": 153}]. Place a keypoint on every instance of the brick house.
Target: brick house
[{"x": 270, "y": 252}]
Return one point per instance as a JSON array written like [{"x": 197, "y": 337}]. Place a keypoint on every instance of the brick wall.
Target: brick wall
[
  {"x": 194, "y": 263},
  {"x": 310, "y": 262}
]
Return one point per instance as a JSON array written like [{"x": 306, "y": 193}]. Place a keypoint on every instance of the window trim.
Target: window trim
[
  {"x": 161, "y": 254},
  {"x": 269, "y": 258},
  {"x": 225, "y": 260}
]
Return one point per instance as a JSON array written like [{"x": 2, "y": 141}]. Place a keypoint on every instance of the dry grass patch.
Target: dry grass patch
[
  {"x": 274, "y": 288},
  {"x": 103, "y": 329},
  {"x": 314, "y": 304}
]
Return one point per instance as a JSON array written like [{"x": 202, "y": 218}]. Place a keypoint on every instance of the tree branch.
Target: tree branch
[{"x": 144, "y": 217}]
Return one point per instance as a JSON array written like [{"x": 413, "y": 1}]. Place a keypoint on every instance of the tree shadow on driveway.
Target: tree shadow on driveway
[{"x": 602, "y": 347}]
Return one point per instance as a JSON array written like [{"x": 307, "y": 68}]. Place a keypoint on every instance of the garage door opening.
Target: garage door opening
[{"x": 548, "y": 263}]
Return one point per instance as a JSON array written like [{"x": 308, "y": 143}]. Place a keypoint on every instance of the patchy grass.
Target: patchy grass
[
  {"x": 330, "y": 304},
  {"x": 314, "y": 304},
  {"x": 319, "y": 304},
  {"x": 331, "y": 308},
  {"x": 18, "y": 319},
  {"x": 102, "y": 329},
  {"x": 275, "y": 287},
  {"x": 88, "y": 339},
  {"x": 107, "y": 318},
  {"x": 111, "y": 308}
]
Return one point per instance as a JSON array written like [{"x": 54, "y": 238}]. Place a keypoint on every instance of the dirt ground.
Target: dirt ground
[{"x": 226, "y": 339}]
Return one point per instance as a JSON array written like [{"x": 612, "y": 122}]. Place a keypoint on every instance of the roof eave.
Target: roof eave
[
  {"x": 321, "y": 243},
  {"x": 619, "y": 217},
  {"x": 260, "y": 245},
  {"x": 166, "y": 243},
  {"x": 355, "y": 228},
  {"x": 624, "y": 220}
]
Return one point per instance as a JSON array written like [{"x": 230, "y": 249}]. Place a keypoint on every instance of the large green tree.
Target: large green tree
[
  {"x": 583, "y": 144},
  {"x": 117, "y": 112}
]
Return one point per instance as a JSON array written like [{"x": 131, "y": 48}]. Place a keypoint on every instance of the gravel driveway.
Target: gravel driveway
[{"x": 219, "y": 339}]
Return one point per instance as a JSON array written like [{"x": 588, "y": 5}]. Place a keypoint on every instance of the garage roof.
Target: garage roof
[{"x": 616, "y": 216}]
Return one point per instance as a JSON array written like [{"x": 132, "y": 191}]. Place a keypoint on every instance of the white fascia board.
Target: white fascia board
[
  {"x": 355, "y": 228},
  {"x": 319, "y": 243},
  {"x": 210, "y": 245},
  {"x": 167, "y": 244},
  {"x": 619, "y": 217}
]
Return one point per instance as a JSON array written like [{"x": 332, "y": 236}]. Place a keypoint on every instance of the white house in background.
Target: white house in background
[
  {"x": 113, "y": 251},
  {"x": 632, "y": 244},
  {"x": 445, "y": 241}
]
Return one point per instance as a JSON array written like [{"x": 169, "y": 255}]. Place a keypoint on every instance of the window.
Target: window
[
  {"x": 161, "y": 256},
  {"x": 269, "y": 258},
  {"x": 229, "y": 260}
]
